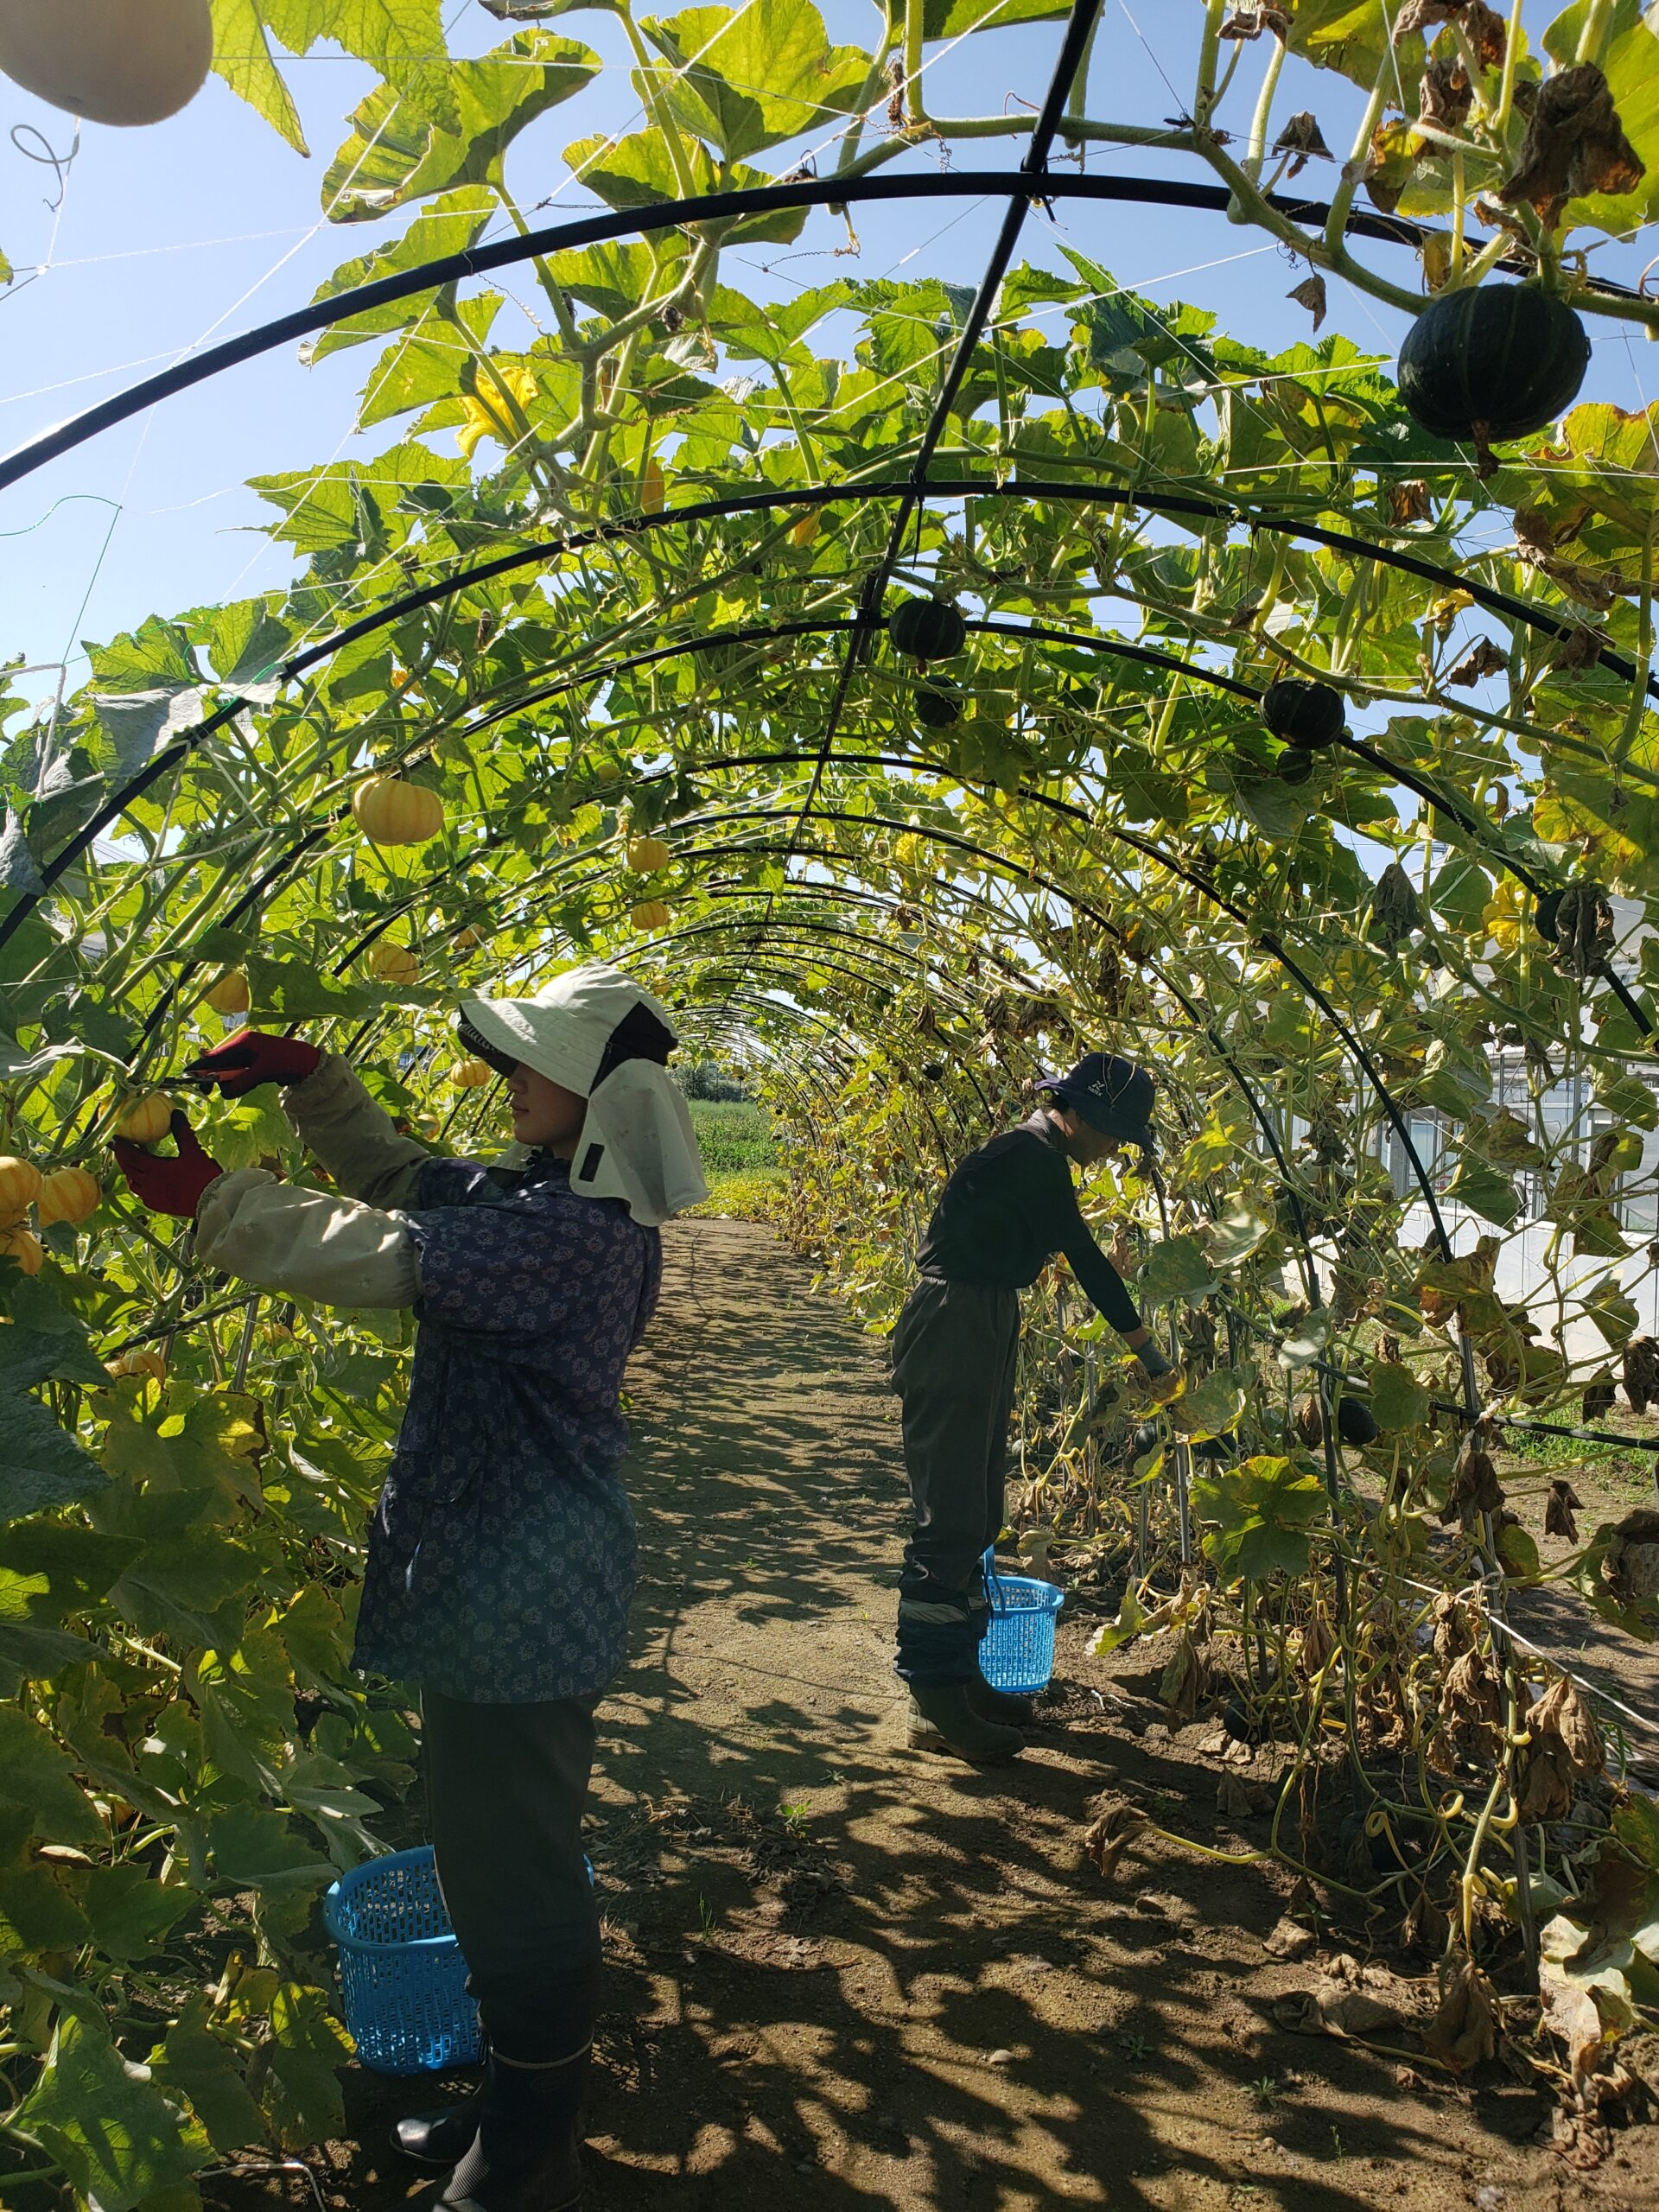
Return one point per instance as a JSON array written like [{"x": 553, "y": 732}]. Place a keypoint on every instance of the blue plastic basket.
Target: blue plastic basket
[
  {"x": 402, "y": 1975},
  {"x": 1017, "y": 1654}
]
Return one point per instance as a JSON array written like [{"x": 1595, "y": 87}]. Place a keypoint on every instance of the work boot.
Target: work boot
[
  {"x": 440, "y": 2137},
  {"x": 999, "y": 1705},
  {"x": 942, "y": 1717},
  {"x": 526, "y": 2155}
]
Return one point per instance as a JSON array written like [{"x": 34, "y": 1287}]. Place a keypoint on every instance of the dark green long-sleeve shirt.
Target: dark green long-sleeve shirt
[{"x": 1009, "y": 1208}]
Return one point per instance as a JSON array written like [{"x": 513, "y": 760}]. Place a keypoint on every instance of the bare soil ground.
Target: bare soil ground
[{"x": 845, "y": 1975}]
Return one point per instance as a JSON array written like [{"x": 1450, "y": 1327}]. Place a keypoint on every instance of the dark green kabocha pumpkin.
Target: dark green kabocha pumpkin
[
  {"x": 1356, "y": 1423},
  {"x": 1303, "y": 713},
  {"x": 937, "y": 705},
  {"x": 1494, "y": 361},
  {"x": 927, "y": 629},
  {"x": 1294, "y": 765},
  {"x": 1545, "y": 914}
]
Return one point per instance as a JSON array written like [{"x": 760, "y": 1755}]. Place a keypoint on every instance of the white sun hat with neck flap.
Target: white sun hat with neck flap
[{"x": 608, "y": 1039}]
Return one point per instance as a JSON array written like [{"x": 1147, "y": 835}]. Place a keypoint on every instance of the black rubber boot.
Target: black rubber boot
[
  {"x": 942, "y": 1717},
  {"x": 526, "y": 2156},
  {"x": 1000, "y": 1706},
  {"x": 440, "y": 2137}
]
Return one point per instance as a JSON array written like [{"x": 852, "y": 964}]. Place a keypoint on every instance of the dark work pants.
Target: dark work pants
[
  {"x": 504, "y": 1788},
  {"x": 953, "y": 1366}
]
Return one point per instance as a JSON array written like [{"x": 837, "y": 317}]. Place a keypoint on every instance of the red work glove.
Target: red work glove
[
  {"x": 169, "y": 1185},
  {"x": 242, "y": 1062}
]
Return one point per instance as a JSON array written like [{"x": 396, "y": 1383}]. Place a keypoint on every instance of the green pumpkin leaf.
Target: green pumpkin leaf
[
  {"x": 257, "y": 1850},
  {"x": 1613, "y": 1313},
  {"x": 748, "y": 79},
  {"x": 1177, "y": 1267},
  {"x": 40, "y": 1464},
  {"x": 1241, "y": 1229},
  {"x": 130, "y": 1911},
  {"x": 37, "y": 1913},
  {"x": 399, "y": 153},
  {"x": 36, "y": 1775},
  {"x": 302, "y": 2092},
  {"x": 1460, "y": 893},
  {"x": 1398, "y": 1400},
  {"x": 242, "y": 57},
  {"x": 1484, "y": 1192},
  {"x": 1517, "y": 1554},
  {"x": 196, "y": 2063},
  {"x": 1261, "y": 1510},
  {"x": 449, "y": 226},
  {"x": 637, "y": 171},
  {"x": 103, "y": 2119}
]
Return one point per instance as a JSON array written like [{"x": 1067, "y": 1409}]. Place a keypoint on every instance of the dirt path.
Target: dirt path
[{"x": 842, "y": 1976}]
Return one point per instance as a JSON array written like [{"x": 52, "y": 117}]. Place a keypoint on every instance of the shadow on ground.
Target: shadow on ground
[{"x": 844, "y": 1975}]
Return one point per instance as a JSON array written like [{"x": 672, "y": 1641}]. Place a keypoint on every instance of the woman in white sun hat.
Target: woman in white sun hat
[{"x": 501, "y": 1559}]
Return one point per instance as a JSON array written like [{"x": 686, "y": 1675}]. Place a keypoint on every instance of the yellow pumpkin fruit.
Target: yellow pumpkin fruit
[
  {"x": 651, "y": 487},
  {"x": 118, "y": 61},
  {"x": 146, "y": 1121},
  {"x": 19, "y": 1186},
  {"x": 468, "y": 941},
  {"x": 68, "y": 1194},
  {"x": 471, "y": 1074},
  {"x": 23, "y": 1246},
  {"x": 647, "y": 855},
  {"x": 389, "y": 811},
  {"x": 230, "y": 995},
  {"x": 143, "y": 1359},
  {"x": 651, "y": 914},
  {"x": 808, "y": 528},
  {"x": 391, "y": 962}
]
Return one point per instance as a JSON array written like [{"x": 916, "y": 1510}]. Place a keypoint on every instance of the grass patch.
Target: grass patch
[
  {"x": 733, "y": 1138},
  {"x": 739, "y": 1159}
]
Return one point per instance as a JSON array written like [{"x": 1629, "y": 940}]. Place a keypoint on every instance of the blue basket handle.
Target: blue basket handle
[{"x": 989, "y": 1566}]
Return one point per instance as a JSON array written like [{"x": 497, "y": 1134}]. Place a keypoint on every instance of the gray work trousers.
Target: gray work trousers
[{"x": 954, "y": 1353}]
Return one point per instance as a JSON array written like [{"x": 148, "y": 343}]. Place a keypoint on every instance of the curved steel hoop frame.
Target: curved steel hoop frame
[{"x": 672, "y": 214}]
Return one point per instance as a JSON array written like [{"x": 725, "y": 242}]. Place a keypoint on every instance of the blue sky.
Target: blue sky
[{"x": 169, "y": 237}]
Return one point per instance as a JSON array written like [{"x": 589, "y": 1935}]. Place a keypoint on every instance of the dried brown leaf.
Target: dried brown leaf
[
  {"x": 1467, "y": 2028},
  {"x": 1301, "y": 137},
  {"x": 1110, "y": 1834},
  {"x": 1563, "y": 1503},
  {"x": 1574, "y": 145},
  {"x": 1310, "y": 293},
  {"x": 1483, "y": 659}
]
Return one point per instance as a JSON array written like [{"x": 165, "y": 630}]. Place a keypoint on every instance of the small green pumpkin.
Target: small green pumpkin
[
  {"x": 937, "y": 705},
  {"x": 1303, "y": 713},
  {"x": 1294, "y": 765},
  {"x": 1494, "y": 361},
  {"x": 1355, "y": 1422},
  {"x": 927, "y": 629}
]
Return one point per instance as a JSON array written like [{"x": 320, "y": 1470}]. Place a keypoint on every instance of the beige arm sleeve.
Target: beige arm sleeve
[
  {"x": 283, "y": 1236},
  {"x": 353, "y": 1137}
]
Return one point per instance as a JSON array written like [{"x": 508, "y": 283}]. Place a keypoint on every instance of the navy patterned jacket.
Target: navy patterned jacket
[{"x": 501, "y": 1559}]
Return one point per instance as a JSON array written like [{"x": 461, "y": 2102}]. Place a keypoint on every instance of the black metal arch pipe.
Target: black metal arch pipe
[
  {"x": 710, "y": 510},
  {"x": 675, "y": 214},
  {"x": 1079, "y": 903}
]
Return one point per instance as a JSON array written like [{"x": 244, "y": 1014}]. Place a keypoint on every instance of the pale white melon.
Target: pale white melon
[{"x": 123, "y": 61}]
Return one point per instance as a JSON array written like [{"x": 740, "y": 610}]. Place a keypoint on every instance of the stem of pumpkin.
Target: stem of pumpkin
[
  {"x": 1259, "y": 122},
  {"x": 1592, "y": 39},
  {"x": 1506, "y": 90},
  {"x": 1628, "y": 735},
  {"x": 1343, "y": 198}
]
